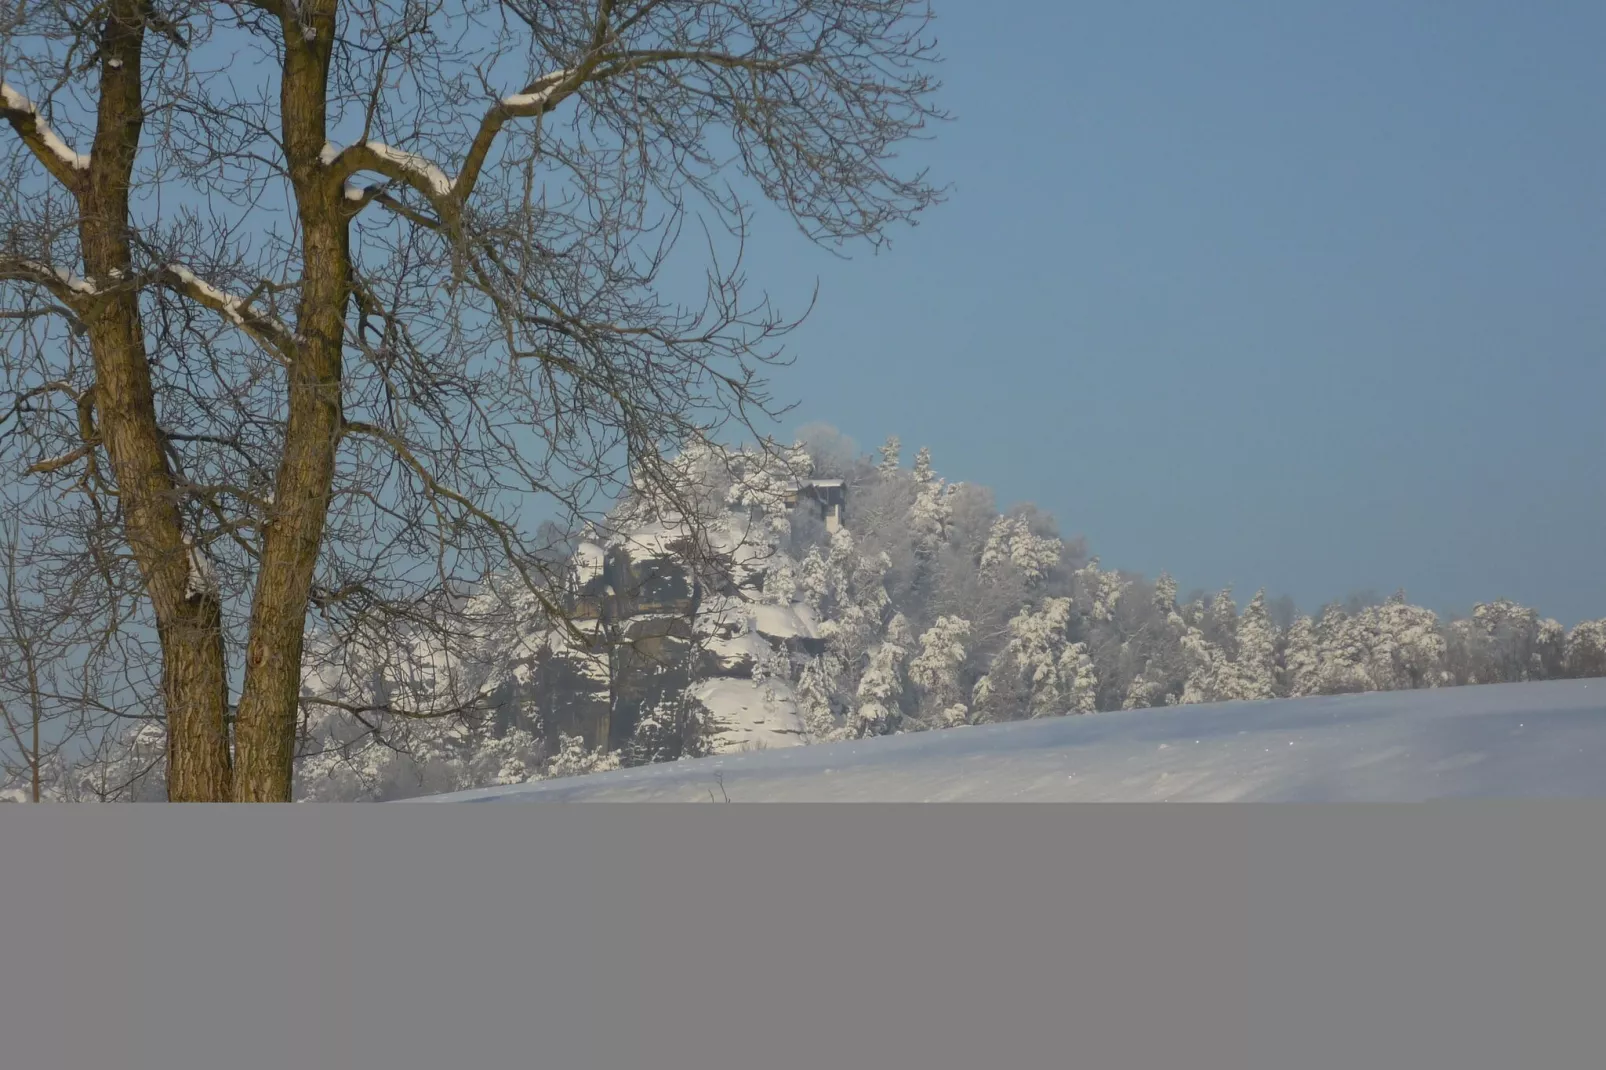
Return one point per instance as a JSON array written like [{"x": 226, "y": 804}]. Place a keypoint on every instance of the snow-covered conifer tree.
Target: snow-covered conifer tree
[
  {"x": 1301, "y": 668},
  {"x": 1012, "y": 544},
  {"x": 928, "y": 516},
  {"x": 1205, "y": 663},
  {"x": 1342, "y": 654},
  {"x": 816, "y": 696},
  {"x": 1024, "y": 679},
  {"x": 1586, "y": 650},
  {"x": 890, "y": 451},
  {"x": 1079, "y": 679},
  {"x": 1165, "y": 594},
  {"x": 881, "y": 688},
  {"x": 935, "y": 671},
  {"x": 1253, "y": 672}
]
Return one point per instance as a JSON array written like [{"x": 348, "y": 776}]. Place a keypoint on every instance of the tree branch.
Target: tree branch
[
  {"x": 62, "y": 284},
  {"x": 405, "y": 454},
  {"x": 69, "y": 167},
  {"x": 534, "y": 100},
  {"x": 272, "y": 334}
]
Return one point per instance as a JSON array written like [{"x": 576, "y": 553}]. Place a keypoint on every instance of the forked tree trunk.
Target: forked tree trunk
[
  {"x": 188, "y": 617},
  {"x": 266, "y": 729}
]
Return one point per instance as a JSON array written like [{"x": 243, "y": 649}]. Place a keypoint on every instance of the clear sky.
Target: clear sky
[{"x": 1294, "y": 294}]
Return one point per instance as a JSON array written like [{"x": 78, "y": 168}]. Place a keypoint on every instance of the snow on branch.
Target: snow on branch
[
  {"x": 537, "y": 95},
  {"x": 209, "y": 295},
  {"x": 237, "y": 311},
  {"x": 535, "y": 99},
  {"x": 415, "y": 166},
  {"x": 59, "y": 281},
  {"x": 427, "y": 177},
  {"x": 415, "y": 170},
  {"x": 52, "y": 151},
  {"x": 202, "y": 578}
]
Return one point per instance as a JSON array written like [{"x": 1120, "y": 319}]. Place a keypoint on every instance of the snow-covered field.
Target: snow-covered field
[{"x": 1540, "y": 740}]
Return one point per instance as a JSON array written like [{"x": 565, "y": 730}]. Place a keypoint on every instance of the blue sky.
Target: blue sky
[{"x": 1309, "y": 296}]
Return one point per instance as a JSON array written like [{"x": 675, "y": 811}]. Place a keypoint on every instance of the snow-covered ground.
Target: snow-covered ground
[{"x": 1512, "y": 740}]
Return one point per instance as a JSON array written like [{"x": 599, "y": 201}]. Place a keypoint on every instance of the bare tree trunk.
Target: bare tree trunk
[
  {"x": 265, "y": 734},
  {"x": 557, "y": 359},
  {"x": 188, "y": 620}
]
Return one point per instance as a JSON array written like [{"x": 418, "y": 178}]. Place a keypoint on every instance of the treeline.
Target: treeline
[
  {"x": 928, "y": 608},
  {"x": 992, "y": 617}
]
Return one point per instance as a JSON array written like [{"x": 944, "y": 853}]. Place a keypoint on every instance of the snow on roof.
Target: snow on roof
[{"x": 654, "y": 538}]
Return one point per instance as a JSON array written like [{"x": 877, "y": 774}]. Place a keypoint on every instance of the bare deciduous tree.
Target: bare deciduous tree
[
  {"x": 310, "y": 303},
  {"x": 59, "y": 682}
]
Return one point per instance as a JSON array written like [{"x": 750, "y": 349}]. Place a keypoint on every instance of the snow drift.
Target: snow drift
[{"x": 1534, "y": 740}]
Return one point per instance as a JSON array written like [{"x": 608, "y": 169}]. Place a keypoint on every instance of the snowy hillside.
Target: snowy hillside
[
  {"x": 790, "y": 598},
  {"x": 1536, "y": 740}
]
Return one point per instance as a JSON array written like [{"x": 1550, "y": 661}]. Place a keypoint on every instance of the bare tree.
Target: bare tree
[
  {"x": 55, "y": 680},
  {"x": 22, "y": 697},
  {"x": 330, "y": 293}
]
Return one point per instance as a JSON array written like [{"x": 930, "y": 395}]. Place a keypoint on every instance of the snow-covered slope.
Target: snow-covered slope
[{"x": 1510, "y": 740}]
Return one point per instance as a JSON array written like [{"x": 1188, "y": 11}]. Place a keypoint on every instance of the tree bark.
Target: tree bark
[
  {"x": 265, "y": 732},
  {"x": 188, "y": 621}
]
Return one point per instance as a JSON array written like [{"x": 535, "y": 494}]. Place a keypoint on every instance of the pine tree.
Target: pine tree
[
  {"x": 1301, "y": 668},
  {"x": 890, "y": 451},
  {"x": 899, "y": 634},
  {"x": 1165, "y": 594},
  {"x": 935, "y": 671},
  {"x": 929, "y": 515},
  {"x": 1405, "y": 645},
  {"x": 1079, "y": 679},
  {"x": 880, "y": 691},
  {"x": 1098, "y": 592},
  {"x": 1011, "y": 544},
  {"x": 1342, "y": 654},
  {"x": 1221, "y": 623},
  {"x": 1205, "y": 664},
  {"x": 1025, "y": 676},
  {"x": 923, "y": 473},
  {"x": 816, "y": 697},
  {"x": 813, "y": 580},
  {"x": 1253, "y": 674}
]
